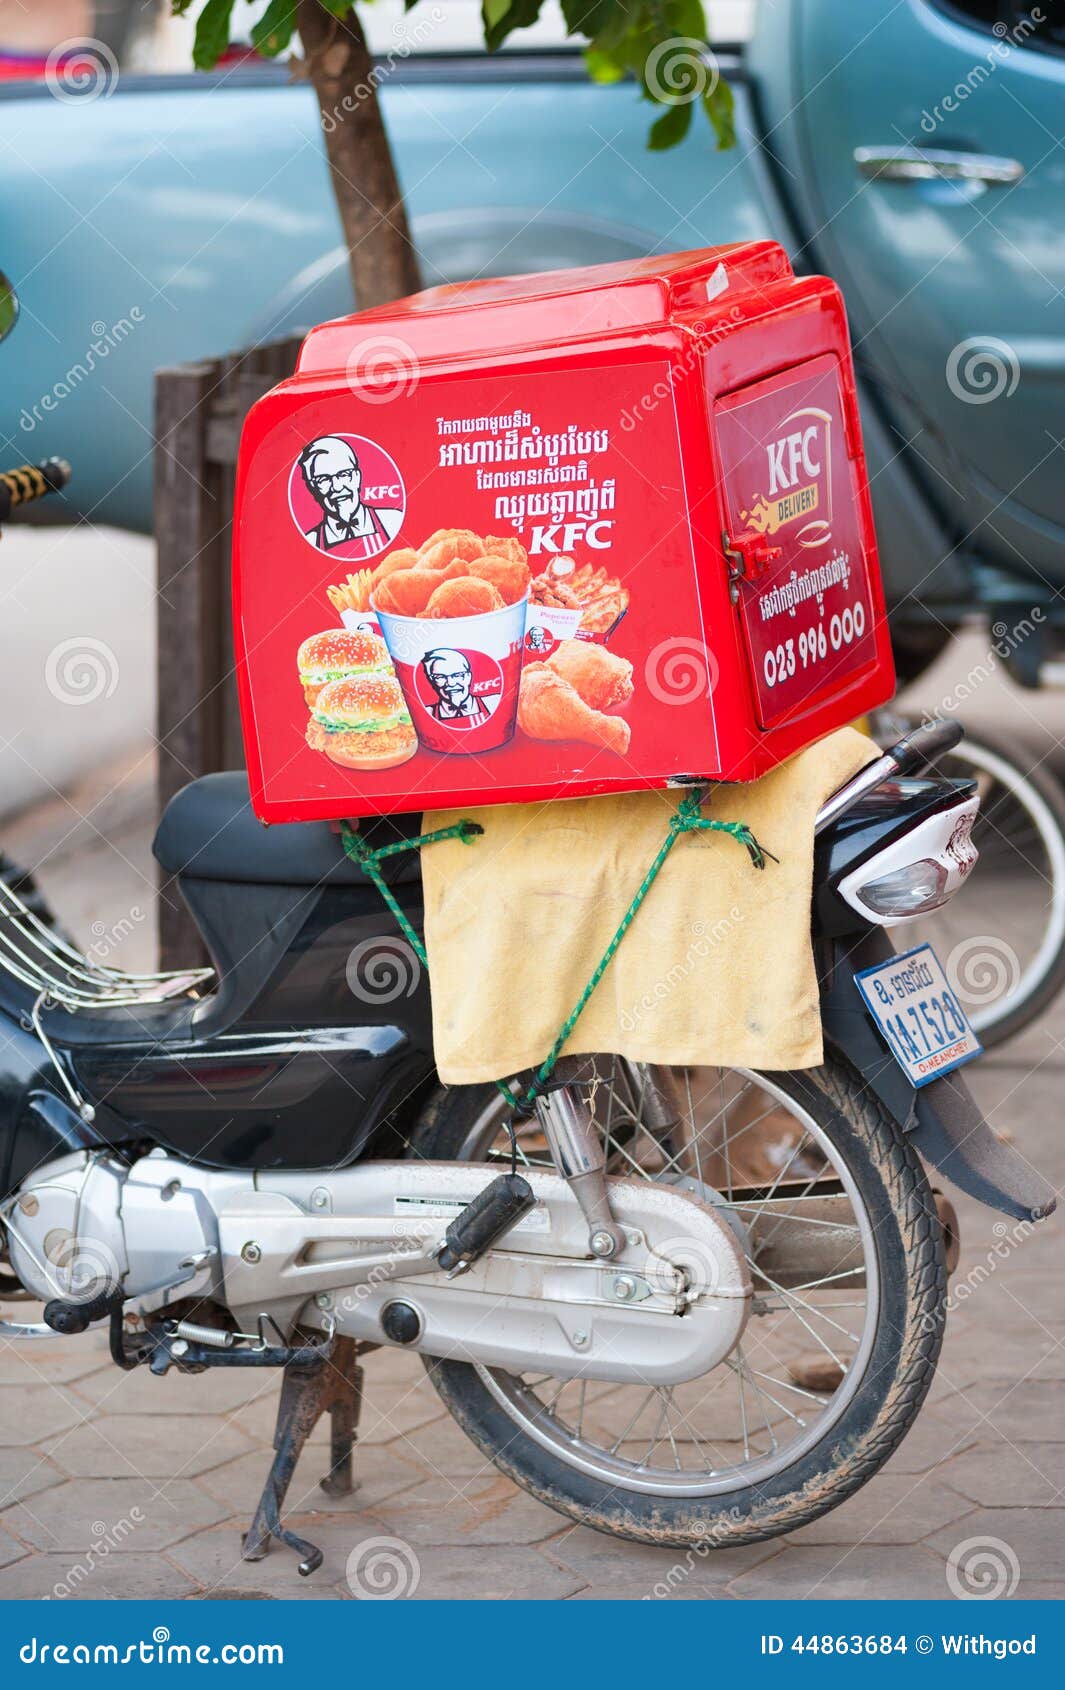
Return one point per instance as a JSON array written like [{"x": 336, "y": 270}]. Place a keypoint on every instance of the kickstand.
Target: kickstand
[{"x": 308, "y": 1389}]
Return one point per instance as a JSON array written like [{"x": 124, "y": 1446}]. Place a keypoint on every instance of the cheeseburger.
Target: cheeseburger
[
  {"x": 337, "y": 653},
  {"x": 363, "y": 723}
]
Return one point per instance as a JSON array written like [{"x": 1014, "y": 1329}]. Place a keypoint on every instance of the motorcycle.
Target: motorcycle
[{"x": 700, "y": 1307}]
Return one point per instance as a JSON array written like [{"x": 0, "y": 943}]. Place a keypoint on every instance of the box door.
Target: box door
[{"x": 790, "y": 497}]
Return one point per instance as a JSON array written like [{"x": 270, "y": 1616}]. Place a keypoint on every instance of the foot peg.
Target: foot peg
[{"x": 490, "y": 1214}]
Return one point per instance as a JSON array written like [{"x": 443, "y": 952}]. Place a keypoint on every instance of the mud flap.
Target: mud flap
[{"x": 942, "y": 1118}]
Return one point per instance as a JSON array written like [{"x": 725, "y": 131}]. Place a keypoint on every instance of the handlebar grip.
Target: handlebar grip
[
  {"x": 924, "y": 744},
  {"x": 31, "y": 481}
]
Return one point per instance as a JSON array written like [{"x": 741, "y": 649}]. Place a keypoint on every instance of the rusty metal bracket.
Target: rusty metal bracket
[{"x": 310, "y": 1387}]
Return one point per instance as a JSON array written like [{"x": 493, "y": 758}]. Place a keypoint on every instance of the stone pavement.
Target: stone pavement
[{"x": 120, "y": 1485}]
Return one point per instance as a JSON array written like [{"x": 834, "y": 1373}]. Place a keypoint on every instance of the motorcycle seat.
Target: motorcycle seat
[{"x": 209, "y": 832}]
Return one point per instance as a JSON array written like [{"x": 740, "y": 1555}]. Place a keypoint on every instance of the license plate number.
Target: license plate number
[{"x": 926, "y": 1029}]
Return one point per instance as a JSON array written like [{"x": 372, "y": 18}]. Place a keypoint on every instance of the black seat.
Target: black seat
[{"x": 210, "y": 832}]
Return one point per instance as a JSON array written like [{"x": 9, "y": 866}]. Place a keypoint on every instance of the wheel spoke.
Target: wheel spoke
[{"x": 748, "y": 1414}]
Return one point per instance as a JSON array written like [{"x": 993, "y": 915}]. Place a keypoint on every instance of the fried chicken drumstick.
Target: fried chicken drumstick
[
  {"x": 603, "y": 680},
  {"x": 549, "y": 708}
]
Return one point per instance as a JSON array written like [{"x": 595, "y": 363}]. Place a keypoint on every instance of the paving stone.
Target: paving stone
[
  {"x": 486, "y": 1510},
  {"x": 688, "y": 1591},
  {"x": 42, "y": 1361},
  {"x": 111, "y": 1578},
  {"x": 601, "y": 1561},
  {"x": 221, "y": 1390},
  {"x": 31, "y": 1412},
  {"x": 380, "y": 1474},
  {"x": 213, "y": 1557},
  {"x": 509, "y": 1572},
  {"x": 902, "y": 1508},
  {"x": 146, "y": 1446},
  {"x": 10, "y": 1549},
  {"x": 135, "y": 1515},
  {"x": 24, "y": 1472},
  {"x": 1021, "y": 1350},
  {"x": 825, "y": 1572},
  {"x": 385, "y": 1415},
  {"x": 444, "y": 1450},
  {"x": 1029, "y": 1475},
  {"x": 929, "y": 1445},
  {"x": 1029, "y": 1411},
  {"x": 1035, "y": 1535}
]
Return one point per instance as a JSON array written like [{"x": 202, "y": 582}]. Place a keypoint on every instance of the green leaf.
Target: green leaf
[
  {"x": 338, "y": 8},
  {"x": 670, "y": 128},
  {"x": 180, "y": 7},
  {"x": 686, "y": 17},
  {"x": 273, "y": 32},
  {"x": 501, "y": 17},
  {"x": 212, "y": 34},
  {"x": 720, "y": 108},
  {"x": 588, "y": 17},
  {"x": 602, "y": 67}
]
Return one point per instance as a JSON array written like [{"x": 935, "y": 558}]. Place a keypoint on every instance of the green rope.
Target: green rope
[
  {"x": 367, "y": 858},
  {"x": 685, "y": 819}
]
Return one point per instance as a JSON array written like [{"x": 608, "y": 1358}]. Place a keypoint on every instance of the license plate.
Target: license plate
[{"x": 924, "y": 1025}]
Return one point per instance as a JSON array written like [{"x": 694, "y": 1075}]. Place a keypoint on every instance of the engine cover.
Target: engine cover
[
  {"x": 321, "y": 1249},
  {"x": 670, "y": 1307}
]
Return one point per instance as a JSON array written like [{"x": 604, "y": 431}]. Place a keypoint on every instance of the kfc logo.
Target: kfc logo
[
  {"x": 796, "y": 456},
  {"x": 346, "y": 496},
  {"x": 460, "y": 688},
  {"x": 565, "y": 537}
]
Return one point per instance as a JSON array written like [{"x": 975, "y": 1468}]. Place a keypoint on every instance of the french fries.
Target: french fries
[{"x": 352, "y": 594}]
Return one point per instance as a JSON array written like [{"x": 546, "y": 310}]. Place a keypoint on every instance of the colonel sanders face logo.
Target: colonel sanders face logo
[
  {"x": 450, "y": 675},
  {"x": 347, "y": 496}
]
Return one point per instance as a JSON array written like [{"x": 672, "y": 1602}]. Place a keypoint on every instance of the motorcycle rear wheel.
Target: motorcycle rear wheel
[{"x": 680, "y": 1492}]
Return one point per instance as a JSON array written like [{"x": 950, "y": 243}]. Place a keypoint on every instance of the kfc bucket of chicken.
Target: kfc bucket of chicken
[{"x": 459, "y": 666}]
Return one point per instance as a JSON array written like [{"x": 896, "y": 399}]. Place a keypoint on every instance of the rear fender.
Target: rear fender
[{"x": 943, "y": 1118}]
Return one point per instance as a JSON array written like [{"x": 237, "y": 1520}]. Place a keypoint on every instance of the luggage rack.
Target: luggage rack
[{"x": 61, "y": 976}]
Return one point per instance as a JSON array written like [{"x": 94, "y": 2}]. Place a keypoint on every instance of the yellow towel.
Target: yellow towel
[{"x": 716, "y": 969}]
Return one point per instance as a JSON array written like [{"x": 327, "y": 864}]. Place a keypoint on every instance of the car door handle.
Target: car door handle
[{"x": 927, "y": 164}]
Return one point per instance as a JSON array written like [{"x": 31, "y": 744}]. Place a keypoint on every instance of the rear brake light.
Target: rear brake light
[{"x": 912, "y": 890}]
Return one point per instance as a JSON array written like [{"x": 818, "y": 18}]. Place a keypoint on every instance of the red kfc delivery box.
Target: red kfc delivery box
[{"x": 555, "y": 535}]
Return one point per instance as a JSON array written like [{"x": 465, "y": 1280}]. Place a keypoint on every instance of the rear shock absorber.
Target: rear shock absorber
[{"x": 578, "y": 1154}]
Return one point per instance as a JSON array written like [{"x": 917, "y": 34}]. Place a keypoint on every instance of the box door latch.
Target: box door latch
[{"x": 748, "y": 556}]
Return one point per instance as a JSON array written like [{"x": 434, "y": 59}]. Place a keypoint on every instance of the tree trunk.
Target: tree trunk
[{"x": 372, "y": 213}]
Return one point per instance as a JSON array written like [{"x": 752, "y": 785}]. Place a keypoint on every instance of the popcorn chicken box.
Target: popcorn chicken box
[{"x": 573, "y": 533}]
